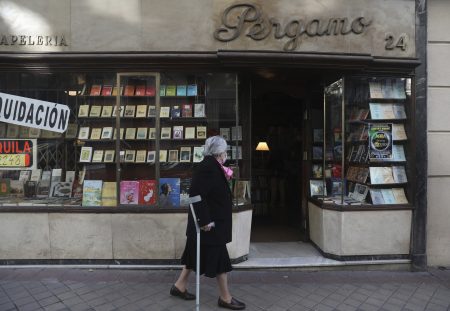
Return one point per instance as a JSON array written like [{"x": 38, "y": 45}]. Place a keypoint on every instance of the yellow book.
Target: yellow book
[
  {"x": 171, "y": 90},
  {"x": 109, "y": 196}
]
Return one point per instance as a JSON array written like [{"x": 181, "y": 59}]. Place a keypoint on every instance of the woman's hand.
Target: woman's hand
[{"x": 208, "y": 226}]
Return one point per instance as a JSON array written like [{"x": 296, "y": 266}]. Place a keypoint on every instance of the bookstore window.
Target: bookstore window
[
  {"x": 361, "y": 155},
  {"x": 132, "y": 139}
]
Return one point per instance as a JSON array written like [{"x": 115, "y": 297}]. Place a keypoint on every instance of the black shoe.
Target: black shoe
[
  {"x": 174, "y": 291},
  {"x": 233, "y": 305}
]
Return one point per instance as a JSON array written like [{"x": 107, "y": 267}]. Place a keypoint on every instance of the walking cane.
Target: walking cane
[{"x": 197, "y": 272}]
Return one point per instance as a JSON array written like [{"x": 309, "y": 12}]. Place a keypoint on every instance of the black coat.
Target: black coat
[{"x": 210, "y": 183}]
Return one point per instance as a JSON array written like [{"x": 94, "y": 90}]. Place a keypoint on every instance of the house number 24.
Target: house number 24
[{"x": 396, "y": 42}]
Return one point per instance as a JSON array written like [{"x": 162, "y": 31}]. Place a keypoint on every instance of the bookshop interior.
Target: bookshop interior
[{"x": 295, "y": 137}]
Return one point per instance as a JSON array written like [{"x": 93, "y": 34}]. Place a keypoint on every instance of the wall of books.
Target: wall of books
[
  {"x": 132, "y": 140},
  {"x": 368, "y": 165}
]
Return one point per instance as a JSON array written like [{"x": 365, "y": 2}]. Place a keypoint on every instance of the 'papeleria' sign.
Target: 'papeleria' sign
[{"x": 16, "y": 153}]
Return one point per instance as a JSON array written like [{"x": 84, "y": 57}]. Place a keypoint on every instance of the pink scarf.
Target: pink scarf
[{"x": 227, "y": 171}]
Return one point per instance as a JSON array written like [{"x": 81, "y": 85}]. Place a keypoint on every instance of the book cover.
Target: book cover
[
  {"x": 398, "y": 153},
  {"x": 107, "y": 90},
  {"x": 189, "y": 132},
  {"x": 121, "y": 133},
  {"x": 317, "y": 188},
  {"x": 151, "y": 112},
  {"x": 92, "y": 193},
  {"x": 178, "y": 132},
  {"x": 317, "y": 171},
  {"x": 166, "y": 132},
  {"x": 151, "y": 133},
  {"x": 109, "y": 156},
  {"x": 199, "y": 111},
  {"x": 317, "y": 153},
  {"x": 388, "y": 196},
  {"x": 130, "y": 111},
  {"x": 129, "y": 90},
  {"x": 5, "y": 186},
  {"x": 186, "y": 111},
  {"x": 96, "y": 133},
  {"x": 169, "y": 195},
  {"x": 97, "y": 157},
  {"x": 201, "y": 132},
  {"x": 130, "y": 133},
  {"x": 398, "y": 132},
  {"x": 16, "y": 188},
  {"x": 107, "y": 132},
  {"x": 130, "y": 155},
  {"x": 95, "y": 90},
  {"x": 70, "y": 176},
  {"x": 141, "y": 156},
  {"x": 171, "y": 90},
  {"x": 375, "y": 89},
  {"x": 185, "y": 186},
  {"x": 175, "y": 112},
  {"x": 151, "y": 156},
  {"x": 72, "y": 129},
  {"x": 109, "y": 197},
  {"x": 400, "y": 196},
  {"x": 141, "y": 111},
  {"x": 181, "y": 90},
  {"x": 141, "y": 133},
  {"x": 117, "y": 91},
  {"x": 147, "y": 192},
  {"x": 61, "y": 189},
  {"x": 121, "y": 111},
  {"x": 36, "y": 175},
  {"x": 164, "y": 112},
  {"x": 381, "y": 175},
  {"x": 24, "y": 175},
  {"x": 399, "y": 111},
  {"x": 192, "y": 90},
  {"x": 83, "y": 133},
  {"x": 162, "y": 155},
  {"x": 162, "y": 90},
  {"x": 185, "y": 154},
  {"x": 399, "y": 173},
  {"x": 129, "y": 192},
  {"x": 140, "y": 90},
  {"x": 85, "y": 154},
  {"x": 173, "y": 156},
  {"x": 197, "y": 155},
  {"x": 225, "y": 133},
  {"x": 236, "y": 133},
  {"x": 56, "y": 174},
  {"x": 337, "y": 187},
  {"x": 382, "y": 111},
  {"x": 359, "y": 193},
  {"x": 376, "y": 196},
  {"x": 150, "y": 90}
]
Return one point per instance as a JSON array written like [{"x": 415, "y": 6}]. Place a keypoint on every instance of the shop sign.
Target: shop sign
[
  {"x": 380, "y": 141},
  {"x": 249, "y": 20},
  {"x": 39, "y": 40},
  {"x": 18, "y": 153},
  {"x": 34, "y": 113}
]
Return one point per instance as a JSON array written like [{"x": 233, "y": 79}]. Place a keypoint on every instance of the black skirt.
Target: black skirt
[{"x": 214, "y": 259}]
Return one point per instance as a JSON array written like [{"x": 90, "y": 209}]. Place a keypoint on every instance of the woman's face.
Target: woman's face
[{"x": 222, "y": 158}]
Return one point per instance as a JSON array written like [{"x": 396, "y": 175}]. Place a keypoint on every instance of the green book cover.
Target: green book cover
[{"x": 171, "y": 90}]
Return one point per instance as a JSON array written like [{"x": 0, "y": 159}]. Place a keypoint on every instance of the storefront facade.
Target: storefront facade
[{"x": 182, "y": 68}]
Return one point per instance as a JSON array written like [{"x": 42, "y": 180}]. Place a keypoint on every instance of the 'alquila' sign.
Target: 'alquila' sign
[{"x": 249, "y": 19}]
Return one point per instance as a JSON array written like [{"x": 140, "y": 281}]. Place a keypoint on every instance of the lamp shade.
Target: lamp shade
[{"x": 262, "y": 146}]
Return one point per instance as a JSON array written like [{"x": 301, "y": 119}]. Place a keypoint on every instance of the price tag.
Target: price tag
[{"x": 14, "y": 160}]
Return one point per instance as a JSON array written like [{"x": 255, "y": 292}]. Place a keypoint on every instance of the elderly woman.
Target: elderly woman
[{"x": 210, "y": 181}]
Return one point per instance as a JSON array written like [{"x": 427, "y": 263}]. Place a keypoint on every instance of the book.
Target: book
[
  {"x": 376, "y": 196},
  {"x": 186, "y": 111},
  {"x": 56, "y": 174},
  {"x": 147, "y": 192},
  {"x": 181, "y": 90},
  {"x": 130, "y": 111},
  {"x": 130, "y": 133},
  {"x": 61, "y": 189},
  {"x": 141, "y": 156},
  {"x": 171, "y": 90},
  {"x": 109, "y": 197},
  {"x": 197, "y": 154},
  {"x": 164, "y": 112},
  {"x": 185, "y": 154},
  {"x": 122, "y": 156},
  {"x": 16, "y": 188},
  {"x": 359, "y": 193},
  {"x": 382, "y": 111},
  {"x": 107, "y": 132},
  {"x": 399, "y": 174},
  {"x": 12, "y": 131},
  {"x": 151, "y": 112},
  {"x": 121, "y": 133},
  {"x": 92, "y": 193},
  {"x": 388, "y": 196},
  {"x": 107, "y": 90},
  {"x": 162, "y": 90},
  {"x": 96, "y": 133},
  {"x": 201, "y": 132},
  {"x": 318, "y": 135},
  {"x": 241, "y": 190},
  {"x": 236, "y": 133},
  {"x": 150, "y": 90},
  {"x": 199, "y": 111},
  {"x": 185, "y": 186},
  {"x": 166, "y": 132},
  {"x": 36, "y": 175},
  {"x": 192, "y": 90},
  {"x": 130, "y": 155},
  {"x": 97, "y": 157},
  {"x": 151, "y": 156},
  {"x": 375, "y": 89},
  {"x": 317, "y": 171},
  {"x": 72, "y": 130},
  {"x": 381, "y": 175},
  {"x": 151, "y": 133},
  {"x": 175, "y": 112},
  {"x": 85, "y": 154},
  {"x": 121, "y": 110},
  {"x": 236, "y": 152},
  {"x": 106, "y": 111},
  {"x": 317, "y": 153},
  {"x": 169, "y": 195},
  {"x": 189, "y": 132},
  {"x": 399, "y": 195},
  {"x": 398, "y": 153},
  {"x": 398, "y": 132},
  {"x": 109, "y": 156},
  {"x": 70, "y": 176},
  {"x": 141, "y": 133},
  {"x": 317, "y": 188},
  {"x": 225, "y": 132},
  {"x": 177, "y": 132},
  {"x": 399, "y": 111},
  {"x": 117, "y": 91},
  {"x": 162, "y": 155},
  {"x": 83, "y": 133},
  {"x": 129, "y": 90},
  {"x": 95, "y": 90},
  {"x": 24, "y": 175},
  {"x": 140, "y": 90},
  {"x": 141, "y": 111},
  {"x": 173, "y": 156}
]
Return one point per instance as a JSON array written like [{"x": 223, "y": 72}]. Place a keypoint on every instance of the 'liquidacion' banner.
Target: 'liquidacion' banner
[{"x": 34, "y": 113}]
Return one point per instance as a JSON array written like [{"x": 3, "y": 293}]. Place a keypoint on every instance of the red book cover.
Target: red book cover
[
  {"x": 95, "y": 90},
  {"x": 107, "y": 90},
  {"x": 140, "y": 90},
  {"x": 129, "y": 90},
  {"x": 150, "y": 90},
  {"x": 147, "y": 192},
  {"x": 186, "y": 111}
]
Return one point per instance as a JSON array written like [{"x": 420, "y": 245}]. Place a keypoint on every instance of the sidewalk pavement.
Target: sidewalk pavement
[{"x": 101, "y": 289}]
